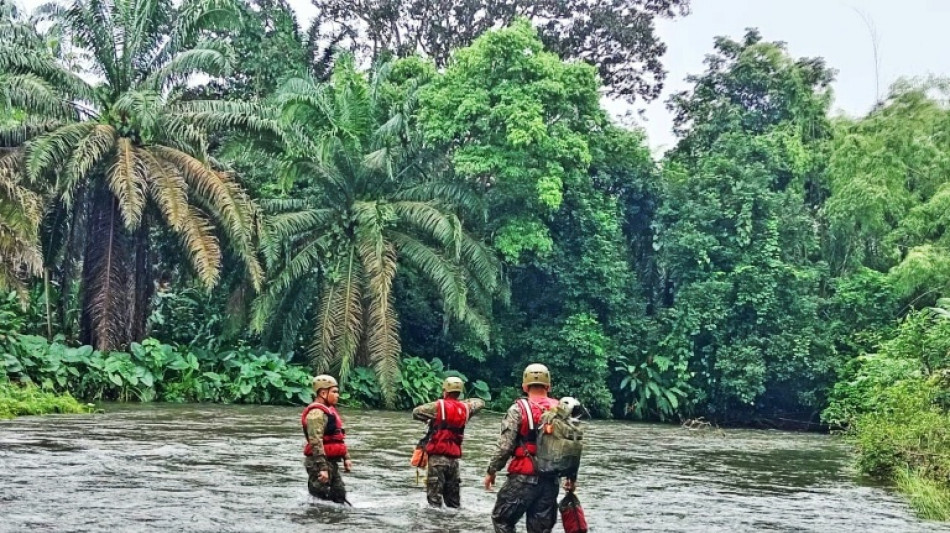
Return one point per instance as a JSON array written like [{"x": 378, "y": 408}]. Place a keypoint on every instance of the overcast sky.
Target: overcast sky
[{"x": 913, "y": 40}]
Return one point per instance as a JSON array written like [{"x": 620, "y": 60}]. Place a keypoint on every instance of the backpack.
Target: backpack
[{"x": 560, "y": 441}]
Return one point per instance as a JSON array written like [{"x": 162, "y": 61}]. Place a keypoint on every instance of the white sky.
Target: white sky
[{"x": 913, "y": 40}]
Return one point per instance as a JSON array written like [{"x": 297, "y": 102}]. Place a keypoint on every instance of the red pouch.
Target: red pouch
[
  {"x": 572, "y": 514},
  {"x": 419, "y": 458}
]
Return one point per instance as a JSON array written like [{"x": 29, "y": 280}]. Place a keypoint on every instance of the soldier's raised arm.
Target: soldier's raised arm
[
  {"x": 424, "y": 412},
  {"x": 474, "y": 406}
]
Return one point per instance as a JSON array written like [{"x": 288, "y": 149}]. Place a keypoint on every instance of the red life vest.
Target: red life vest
[
  {"x": 528, "y": 447},
  {"x": 450, "y": 418},
  {"x": 333, "y": 432}
]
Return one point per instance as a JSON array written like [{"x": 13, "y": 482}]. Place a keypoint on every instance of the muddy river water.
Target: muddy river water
[{"x": 213, "y": 468}]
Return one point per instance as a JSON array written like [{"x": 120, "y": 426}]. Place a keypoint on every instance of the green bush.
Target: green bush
[
  {"x": 894, "y": 406},
  {"x": 420, "y": 382},
  {"x": 505, "y": 398},
  {"x": 27, "y": 399},
  {"x": 656, "y": 387}
]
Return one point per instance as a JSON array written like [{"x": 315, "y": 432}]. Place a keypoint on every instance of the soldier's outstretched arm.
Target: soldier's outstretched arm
[
  {"x": 508, "y": 440},
  {"x": 475, "y": 405},
  {"x": 424, "y": 412}
]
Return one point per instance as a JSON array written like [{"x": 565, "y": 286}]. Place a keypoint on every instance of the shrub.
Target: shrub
[{"x": 27, "y": 399}]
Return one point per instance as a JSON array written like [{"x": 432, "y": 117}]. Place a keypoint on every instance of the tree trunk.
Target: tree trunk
[
  {"x": 65, "y": 273},
  {"x": 144, "y": 287},
  {"x": 106, "y": 277}
]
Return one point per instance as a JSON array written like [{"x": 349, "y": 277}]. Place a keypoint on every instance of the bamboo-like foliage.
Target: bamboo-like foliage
[
  {"x": 373, "y": 209},
  {"x": 119, "y": 144}
]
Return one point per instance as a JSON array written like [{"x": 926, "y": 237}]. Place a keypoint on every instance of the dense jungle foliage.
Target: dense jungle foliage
[{"x": 205, "y": 201}]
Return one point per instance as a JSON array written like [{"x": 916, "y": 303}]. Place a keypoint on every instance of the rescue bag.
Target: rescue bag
[
  {"x": 560, "y": 440},
  {"x": 419, "y": 458},
  {"x": 572, "y": 514}
]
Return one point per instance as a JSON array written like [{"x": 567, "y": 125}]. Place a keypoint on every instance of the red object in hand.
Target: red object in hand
[
  {"x": 419, "y": 458},
  {"x": 572, "y": 514}
]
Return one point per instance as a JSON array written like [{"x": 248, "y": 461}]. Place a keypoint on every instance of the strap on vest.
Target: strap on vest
[
  {"x": 526, "y": 409},
  {"x": 443, "y": 424}
]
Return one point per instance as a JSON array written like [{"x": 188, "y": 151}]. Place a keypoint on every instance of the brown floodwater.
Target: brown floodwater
[{"x": 216, "y": 468}]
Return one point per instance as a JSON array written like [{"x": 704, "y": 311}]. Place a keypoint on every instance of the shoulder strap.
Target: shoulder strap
[
  {"x": 324, "y": 408},
  {"x": 526, "y": 412},
  {"x": 440, "y": 405}
]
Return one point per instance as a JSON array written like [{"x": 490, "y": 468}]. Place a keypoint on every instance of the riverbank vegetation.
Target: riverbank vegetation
[
  {"x": 22, "y": 400},
  {"x": 228, "y": 202}
]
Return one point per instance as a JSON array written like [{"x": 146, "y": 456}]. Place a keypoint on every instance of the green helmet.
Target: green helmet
[
  {"x": 453, "y": 384},
  {"x": 536, "y": 374},
  {"x": 324, "y": 381}
]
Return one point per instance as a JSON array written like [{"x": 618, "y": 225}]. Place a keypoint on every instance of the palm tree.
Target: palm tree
[
  {"x": 20, "y": 216},
  {"x": 372, "y": 209},
  {"x": 123, "y": 156},
  {"x": 21, "y": 209}
]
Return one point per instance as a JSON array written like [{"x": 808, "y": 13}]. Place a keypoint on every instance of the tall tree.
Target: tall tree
[
  {"x": 516, "y": 122},
  {"x": 889, "y": 191},
  {"x": 736, "y": 232},
  {"x": 121, "y": 155},
  {"x": 375, "y": 203},
  {"x": 618, "y": 36}
]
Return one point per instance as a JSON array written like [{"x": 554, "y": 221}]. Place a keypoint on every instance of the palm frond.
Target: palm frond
[
  {"x": 33, "y": 94},
  {"x": 19, "y": 133},
  {"x": 341, "y": 319},
  {"x": 49, "y": 152},
  {"x": 144, "y": 105},
  {"x": 211, "y": 58},
  {"x": 86, "y": 155},
  {"x": 442, "y": 273},
  {"x": 281, "y": 227},
  {"x": 197, "y": 233},
  {"x": 445, "y": 228},
  {"x": 228, "y": 199},
  {"x": 214, "y": 115},
  {"x": 445, "y": 194},
  {"x": 127, "y": 181}
]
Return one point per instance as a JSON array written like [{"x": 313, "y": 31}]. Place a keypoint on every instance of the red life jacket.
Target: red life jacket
[
  {"x": 450, "y": 418},
  {"x": 333, "y": 432},
  {"x": 528, "y": 447}
]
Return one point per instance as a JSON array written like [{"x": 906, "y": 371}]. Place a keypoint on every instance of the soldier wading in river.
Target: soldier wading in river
[
  {"x": 325, "y": 448},
  {"x": 447, "y": 418},
  {"x": 525, "y": 491}
]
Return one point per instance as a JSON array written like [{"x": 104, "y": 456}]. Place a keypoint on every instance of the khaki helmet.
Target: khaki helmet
[
  {"x": 324, "y": 381},
  {"x": 536, "y": 374},
  {"x": 453, "y": 384}
]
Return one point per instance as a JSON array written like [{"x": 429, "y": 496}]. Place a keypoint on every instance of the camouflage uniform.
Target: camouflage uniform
[
  {"x": 535, "y": 496},
  {"x": 442, "y": 478},
  {"x": 334, "y": 490}
]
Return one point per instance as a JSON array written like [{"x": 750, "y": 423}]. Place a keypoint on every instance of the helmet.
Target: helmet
[
  {"x": 453, "y": 384},
  {"x": 324, "y": 381},
  {"x": 536, "y": 374}
]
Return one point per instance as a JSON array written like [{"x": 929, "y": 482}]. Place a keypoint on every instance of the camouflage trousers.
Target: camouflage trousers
[
  {"x": 443, "y": 481},
  {"x": 333, "y": 490},
  {"x": 534, "y": 496}
]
